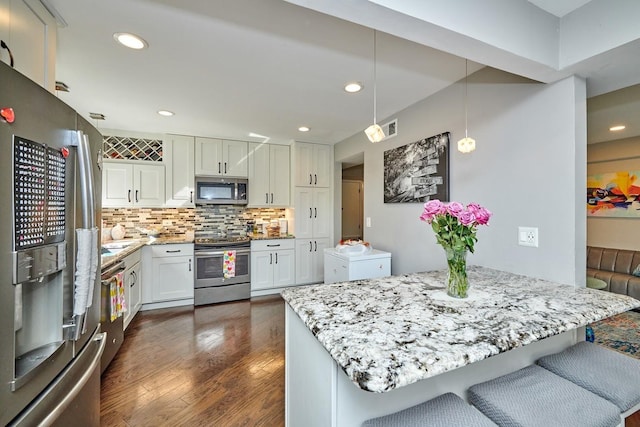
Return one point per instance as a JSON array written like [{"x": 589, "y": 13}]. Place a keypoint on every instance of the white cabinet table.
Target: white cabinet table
[{"x": 342, "y": 267}]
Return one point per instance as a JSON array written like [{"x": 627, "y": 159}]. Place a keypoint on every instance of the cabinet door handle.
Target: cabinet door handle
[
  {"x": 137, "y": 196},
  {"x": 266, "y": 197},
  {"x": 310, "y": 213},
  {"x": 191, "y": 197},
  {"x": 276, "y": 257},
  {"x": 316, "y": 243},
  {"x": 225, "y": 168},
  {"x": 271, "y": 198},
  {"x": 310, "y": 179},
  {"x": 316, "y": 211},
  {"x": 129, "y": 196},
  {"x": 219, "y": 167},
  {"x": 310, "y": 246},
  {"x": 174, "y": 251},
  {"x": 189, "y": 264},
  {"x": 270, "y": 258},
  {"x": 4, "y": 46},
  {"x": 316, "y": 177}
]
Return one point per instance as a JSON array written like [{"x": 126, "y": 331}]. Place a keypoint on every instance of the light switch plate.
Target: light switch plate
[{"x": 528, "y": 236}]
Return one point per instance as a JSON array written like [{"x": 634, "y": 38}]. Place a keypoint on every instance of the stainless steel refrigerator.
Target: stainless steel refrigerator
[{"x": 50, "y": 192}]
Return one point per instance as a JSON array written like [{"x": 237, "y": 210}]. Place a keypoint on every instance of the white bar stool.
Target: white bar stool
[
  {"x": 607, "y": 373},
  {"x": 534, "y": 397},
  {"x": 443, "y": 411}
]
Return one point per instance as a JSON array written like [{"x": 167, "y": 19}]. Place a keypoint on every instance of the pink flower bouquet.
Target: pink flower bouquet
[{"x": 454, "y": 224}]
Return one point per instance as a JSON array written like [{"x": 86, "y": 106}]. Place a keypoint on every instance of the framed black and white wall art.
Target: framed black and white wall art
[{"x": 418, "y": 172}]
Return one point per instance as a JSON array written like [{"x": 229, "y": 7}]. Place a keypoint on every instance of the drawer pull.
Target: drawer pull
[
  {"x": 274, "y": 246},
  {"x": 174, "y": 251}
]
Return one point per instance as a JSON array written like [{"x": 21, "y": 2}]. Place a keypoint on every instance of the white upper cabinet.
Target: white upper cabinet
[
  {"x": 217, "y": 157},
  {"x": 179, "y": 157},
  {"x": 132, "y": 185},
  {"x": 269, "y": 175},
  {"x": 29, "y": 30},
  {"x": 313, "y": 165}
]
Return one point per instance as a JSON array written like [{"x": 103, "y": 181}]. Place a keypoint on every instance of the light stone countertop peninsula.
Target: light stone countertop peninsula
[
  {"x": 262, "y": 236},
  {"x": 391, "y": 332}
]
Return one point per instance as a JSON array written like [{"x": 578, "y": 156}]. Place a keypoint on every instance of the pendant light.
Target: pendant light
[
  {"x": 466, "y": 144},
  {"x": 374, "y": 132}
]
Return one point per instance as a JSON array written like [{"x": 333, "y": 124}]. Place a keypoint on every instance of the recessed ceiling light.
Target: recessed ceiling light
[
  {"x": 304, "y": 129},
  {"x": 353, "y": 87},
  {"x": 166, "y": 113},
  {"x": 130, "y": 40},
  {"x": 617, "y": 128}
]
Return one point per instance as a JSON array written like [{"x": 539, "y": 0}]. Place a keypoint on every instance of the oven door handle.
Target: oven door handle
[{"x": 200, "y": 254}]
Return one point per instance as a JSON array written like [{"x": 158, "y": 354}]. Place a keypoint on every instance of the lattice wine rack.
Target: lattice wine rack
[{"x": 128, "y": 148}]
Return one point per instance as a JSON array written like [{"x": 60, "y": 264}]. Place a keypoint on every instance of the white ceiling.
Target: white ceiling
[
  {"x": 559, "y": 8},
  {"x": 230, "y": 68}
]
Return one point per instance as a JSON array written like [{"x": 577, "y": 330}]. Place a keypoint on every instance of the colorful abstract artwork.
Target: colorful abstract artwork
[{"x": 615, "y": 194}]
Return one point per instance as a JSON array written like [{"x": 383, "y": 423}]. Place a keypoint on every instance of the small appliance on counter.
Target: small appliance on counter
[{"x": 284, "y": 226}]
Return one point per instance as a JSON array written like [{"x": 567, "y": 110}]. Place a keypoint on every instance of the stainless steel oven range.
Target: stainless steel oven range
[{"x": 223, "y": 269}]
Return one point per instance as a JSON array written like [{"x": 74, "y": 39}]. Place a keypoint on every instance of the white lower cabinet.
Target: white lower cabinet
[
  {"x": 310, "y": 260},
  {"x": 340, "y": 267},
  {"x": 132, "y": 286},
  {"x": 169, "y": 279},
  {"x": 272, "y": 264}
]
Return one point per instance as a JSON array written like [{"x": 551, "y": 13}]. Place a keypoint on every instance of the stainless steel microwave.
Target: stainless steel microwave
[{"x": 221, "y": 191}]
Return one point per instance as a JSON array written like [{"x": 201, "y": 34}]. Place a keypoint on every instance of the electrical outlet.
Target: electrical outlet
[{"x": 528, "y": 236}]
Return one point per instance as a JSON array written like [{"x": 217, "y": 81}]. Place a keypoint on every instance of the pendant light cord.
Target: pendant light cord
[
  {"x": 374, "y": 77},
  {"x": 466, "y": 88}
]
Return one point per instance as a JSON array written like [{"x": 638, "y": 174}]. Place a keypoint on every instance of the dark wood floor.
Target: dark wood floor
[{"x": 219, "y": 365}]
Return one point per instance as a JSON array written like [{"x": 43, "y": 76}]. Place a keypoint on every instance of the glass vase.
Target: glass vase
[{"x": 457, "y": 281}]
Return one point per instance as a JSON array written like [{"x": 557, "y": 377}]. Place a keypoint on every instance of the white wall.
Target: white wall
[{"x": 529, "y": 169}]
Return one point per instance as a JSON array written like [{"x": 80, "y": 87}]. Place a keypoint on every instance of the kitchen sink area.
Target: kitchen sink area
[{"x": 114, "y": 248}]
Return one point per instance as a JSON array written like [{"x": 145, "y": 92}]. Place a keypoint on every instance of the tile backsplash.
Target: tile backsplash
[{"x": 181, "y": 221}]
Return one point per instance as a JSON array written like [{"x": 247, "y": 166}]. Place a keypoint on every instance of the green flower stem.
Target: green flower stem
[{"x": 457, "y": 281}]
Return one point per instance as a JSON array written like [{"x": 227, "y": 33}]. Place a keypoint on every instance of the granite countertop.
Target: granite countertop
[
  {"x": 391, "y": 332},
  {"x": 135, "y": 244},
  {"x": 262, "y": 236}
]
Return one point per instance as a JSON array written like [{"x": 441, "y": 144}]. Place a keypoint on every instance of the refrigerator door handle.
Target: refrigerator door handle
[
  {"x": 86, "y": 181},
  {"x": 99, "y": 159},
  {"x": 101, "y": 339}
]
